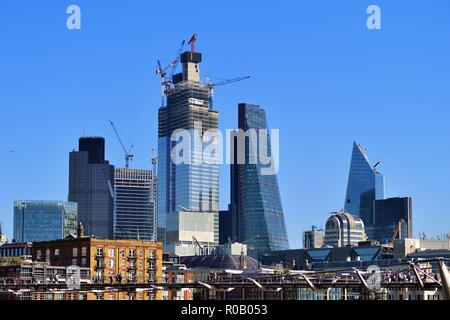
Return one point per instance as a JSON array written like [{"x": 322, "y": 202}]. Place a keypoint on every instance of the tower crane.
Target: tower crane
[
  {"x": 129, "y": 156},
  {"x": 211, "y": 86},
  {"x": 166, "y": 79}
]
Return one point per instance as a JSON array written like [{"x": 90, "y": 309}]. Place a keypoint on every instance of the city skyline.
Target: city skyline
[{"x": 403, "y": 133}]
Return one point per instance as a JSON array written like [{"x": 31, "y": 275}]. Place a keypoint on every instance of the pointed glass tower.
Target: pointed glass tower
[
  {"x": 365, "y": 185},
  {"x": 257, "y": 213}
]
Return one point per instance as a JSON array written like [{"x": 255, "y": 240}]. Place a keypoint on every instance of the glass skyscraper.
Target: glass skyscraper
[
  {"x": 388, "y": 214},
  {"x": 44, "y": 220},
  {"x": 365, "y": 185},
  {"x": 257, "y": 213},
  {"x": 91, "y": 185},
  {"x": 135, "y": 204},
  {"x": 194, "y": 186}
]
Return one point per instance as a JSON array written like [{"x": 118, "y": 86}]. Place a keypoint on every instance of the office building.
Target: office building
[
  {"x": 365, "y": 185},
  {"x": 44, "y": 220},
  {"x": 313, "y": 239},
  {"x": 344, "y": 230},
  {"x": 389, "y": 214},
  {"x": 257, "y": 213},
  {"x": 109, "y": 261},
  {"x": 225, "y": 226},
  {"x": 91, "y": 185},
  {"x": 192, "y": 186},
  {"x": 135, "y": 217}
]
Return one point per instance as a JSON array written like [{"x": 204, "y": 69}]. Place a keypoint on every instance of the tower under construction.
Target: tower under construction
[{"x": 188, "y": 193}]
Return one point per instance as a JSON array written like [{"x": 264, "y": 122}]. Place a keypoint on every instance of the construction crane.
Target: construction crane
[
  {"x": 192, "y": 42},
  {"x": 211, "y": 86},
  {"x": 166, "y": 79},
  {"x": 200, "y": 247},
  {"x": 129, "y": 156},
  {"x": 397, "y": 231}
]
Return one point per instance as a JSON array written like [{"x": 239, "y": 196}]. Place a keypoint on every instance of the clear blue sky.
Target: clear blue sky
[{"x": 323, "y": 77}]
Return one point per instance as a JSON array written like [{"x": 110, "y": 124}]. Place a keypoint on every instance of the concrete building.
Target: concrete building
[
  {"x": 344, "y": 230},
  {"x": 109, "y": 261},
  {"x": 91, "y": 185},
  {"x": 408, "y": 246},
  {"x": 44, "y": 220},
  {"x": 313, "y": 238},
  {"x": 135, "y": 201},
  {"x": 190, "y": 233},
  {"x": 191, "y": 186}
]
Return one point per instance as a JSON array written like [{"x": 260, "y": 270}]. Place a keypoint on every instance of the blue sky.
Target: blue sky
[{"x": 322, "y": 76}]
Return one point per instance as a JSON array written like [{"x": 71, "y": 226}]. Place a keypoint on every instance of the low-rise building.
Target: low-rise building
[{"x": 109, "y": 261}]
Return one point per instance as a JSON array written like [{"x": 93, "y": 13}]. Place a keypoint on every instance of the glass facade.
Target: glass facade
[
  {"x": 135, "y": 204},
  {"x": 258, "y": 218},
  {"x": 91, "y": 185},
  {"x": 388, "y": 214},
  {"x": 365, "y": 185},
  {"x": 190, "y": 186},
  {"x": 44, "y": 220}
]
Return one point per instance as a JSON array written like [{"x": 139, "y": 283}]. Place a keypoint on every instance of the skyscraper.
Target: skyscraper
[
  {"x": 365, "y": 185},
  {"x": 135, "y": 204},
  {"x": 91, "y": 185},
  {"x": 257, "y": 213},
  {"x": 187, "y": 188},
  {"x": 44, "y": 220},
  {"x": 388, "y": 214}
]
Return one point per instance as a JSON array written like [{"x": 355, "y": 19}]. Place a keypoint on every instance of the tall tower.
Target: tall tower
[
  {"x": 135, "y": 204},
  {"x": 91, "y": 185},
  {"x": 365, "y": 185},
  {"x": 257, "y": 213},
  {"x": 189, "y": 190}
]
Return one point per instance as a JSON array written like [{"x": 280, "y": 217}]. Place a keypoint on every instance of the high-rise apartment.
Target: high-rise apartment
[{"x": 91, "y": 185}]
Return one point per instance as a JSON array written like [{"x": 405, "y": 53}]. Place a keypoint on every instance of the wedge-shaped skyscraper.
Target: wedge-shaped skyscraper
[
  {"x": 257, "y": 213},
  {"x": 365, "y": 185}
]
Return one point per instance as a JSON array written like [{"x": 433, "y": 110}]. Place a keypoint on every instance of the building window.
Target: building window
[
  {"x": 123, "y": 264},
  {"x": 84, "y": 251},
  {"x": 111, "y": 253},
  {"x": 132, "y": 253},
  {"x": 38, "y": 255},
  {"x": 83, "y": 262},
  {"x": 99, "y": 251},
  {"x": 74, "y": 252},
  {"x": 111, "y": 263},
  {"x": 56, "y": 252},
  {"x": 74, "y": 261}
]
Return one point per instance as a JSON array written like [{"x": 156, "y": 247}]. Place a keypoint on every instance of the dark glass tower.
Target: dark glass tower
[
  {"x": 257, "y": 213},
  {"x": 388, "y": 214},
  {"x": 91, "y": 185},
  {"x": 365, "y": 185}
]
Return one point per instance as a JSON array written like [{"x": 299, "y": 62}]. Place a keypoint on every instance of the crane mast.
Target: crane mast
[{"x": 129, "y": 156}]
